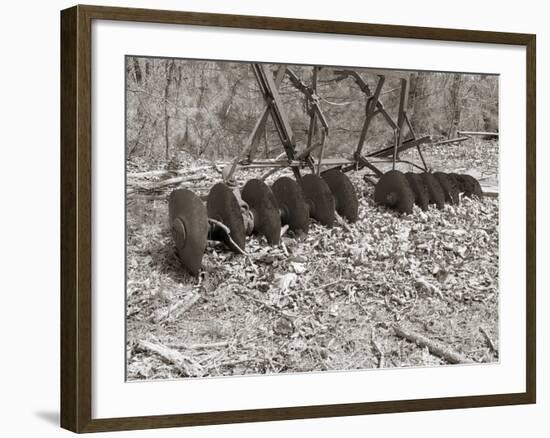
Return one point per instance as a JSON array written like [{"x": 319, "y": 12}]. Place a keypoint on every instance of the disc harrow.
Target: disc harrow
[
  {"x": 437, "y": 195},
  {"x": 420, "y": 190},
  {"x": 319, "y": 199},
  {"x": 469, "y": 186},
  {"x": 189, "y": 225},
  {"x": 223, "y": 206},
  {"x": 449, "y": 188},
  {"x": 232, "y": 213},
  {"x": 292, "y": 205},
  {"x": 345, "y": 198},
  {"x": 394, "y": 191},
  {"x": 265, "y": 210}
]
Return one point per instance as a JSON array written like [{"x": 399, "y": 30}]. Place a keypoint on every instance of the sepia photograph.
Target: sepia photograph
[{"x": 289, "y": 218}]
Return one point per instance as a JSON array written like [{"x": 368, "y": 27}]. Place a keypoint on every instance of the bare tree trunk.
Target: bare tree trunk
[
  {"x": 417, "y": 100},
  {"x": 169, "y": 68},
  {"x": 178, "y": 90},
  {"x": 137, "y": 71},
  {"x": 455, "y": 104},
  {"x": 202, "y": 86}
]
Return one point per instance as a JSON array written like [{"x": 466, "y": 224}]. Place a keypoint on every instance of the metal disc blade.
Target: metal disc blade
[
  {"x": 458, "y": 181},
  {"x": 437, "y": 196},
  {"x": 449, "y": 188},
  {"x": 344, "y": 194},
  {"x": 318, "y": 195},
  {"x": 222, "y": 205},
  {"x": 189, "y": 224},
  {"x": 267, "y": 220},
  {"x": 394, "y": 191},
  {"x": 421, "y": 195},
  {"x": 456, "y": 185},
  {"x": 294, "y": 210},
  {"x": 469, "y": 185}
]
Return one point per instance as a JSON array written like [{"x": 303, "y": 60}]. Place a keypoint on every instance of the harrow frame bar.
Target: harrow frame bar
[{"x": 269, "y": 83}]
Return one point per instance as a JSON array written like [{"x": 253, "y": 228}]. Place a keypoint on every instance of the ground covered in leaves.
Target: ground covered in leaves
[{"x": 331, "y": 300}]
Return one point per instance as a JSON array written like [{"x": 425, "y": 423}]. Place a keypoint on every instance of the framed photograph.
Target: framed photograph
[{"x": 270, "y": 219}]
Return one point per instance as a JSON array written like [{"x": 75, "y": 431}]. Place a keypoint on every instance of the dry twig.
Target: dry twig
[
  {"x": 435, "y": 348},
  {"x": 184, "y": 364},
  {"x": 381, "y": 357},
  {"x": 199, "y": 346},
  {"x": 267, "y": 306},
  {"x": 492, "y": 345}
]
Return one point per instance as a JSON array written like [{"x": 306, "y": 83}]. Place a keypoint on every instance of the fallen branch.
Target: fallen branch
[
  {"x": 381, "y": 356},
  {"x": 229, "y": 363},
  {"x": 322, "y": 286},
  {"x": 150, "y": 173},
  {"x": 176, "y": 309},
  {"x": 421, "y": 281},
  {"x": 492, "y": 345},
  {"x": 199, "y": 346},
  {"x": 488, "y": 134},
  {"x": 164, "y": 183},
  {"x": 267, "y": 306},
  {"x": 165, "y": 172},
  {"x": 492, "y": 175},
  {"x": 434, "y": 347},
  {"x": 184, "y": 364},
  {"x": 490, "y": 192},
  {"x": 451, "y": 140},
  {"x": 133, "y": 195},
  {"x": 185, "y": 306}
]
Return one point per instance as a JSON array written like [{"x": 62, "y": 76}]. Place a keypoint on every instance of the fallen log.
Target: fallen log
[
  {"x": 200, "y": 346},
  {"x": 183, "y": 364},
  {"x": 488, "y": 134},
  {"x": 165, "y": 172},
  {"x": 490, "y": 192},
  {"x": 158, "y": 197},
  {"x": 452, "y": 140},
  {"x": 434, "y": 347},
  {"x": 150, "y": 173},
  {"x": 164, "y": 183}
]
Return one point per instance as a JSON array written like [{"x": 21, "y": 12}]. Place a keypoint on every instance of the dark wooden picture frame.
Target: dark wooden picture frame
[{"x": 76, "y": 218}]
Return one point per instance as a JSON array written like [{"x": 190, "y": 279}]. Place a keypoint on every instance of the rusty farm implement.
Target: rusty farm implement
[{"x": 320, "y": 187}]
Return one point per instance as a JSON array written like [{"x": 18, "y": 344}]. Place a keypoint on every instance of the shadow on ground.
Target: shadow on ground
[{"x": 51, "y": 417}]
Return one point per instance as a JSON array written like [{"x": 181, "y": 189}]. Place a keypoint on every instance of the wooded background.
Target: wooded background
[{"x": 207, "y": 109}]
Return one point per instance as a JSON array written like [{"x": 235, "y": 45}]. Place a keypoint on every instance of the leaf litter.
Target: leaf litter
[{"x": 324, "y": 301}]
